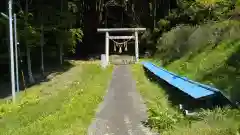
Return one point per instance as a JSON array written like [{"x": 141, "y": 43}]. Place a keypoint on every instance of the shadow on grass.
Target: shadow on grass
[
  {"x": 51, "y": 70},
  {"x": 227, "y": 77},
  {"x": 176, "y": 96}
]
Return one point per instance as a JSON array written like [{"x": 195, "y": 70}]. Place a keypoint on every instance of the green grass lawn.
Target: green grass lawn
[
  {"x": 159, "y": 108},
  {"x": 64, "y": 105}
]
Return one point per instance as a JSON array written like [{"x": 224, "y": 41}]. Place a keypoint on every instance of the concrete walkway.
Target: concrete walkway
[{"x": 122, "y": 111}]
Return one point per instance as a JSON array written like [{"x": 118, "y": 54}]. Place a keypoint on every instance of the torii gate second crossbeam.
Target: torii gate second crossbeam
[{"x": 107, "y": 37}]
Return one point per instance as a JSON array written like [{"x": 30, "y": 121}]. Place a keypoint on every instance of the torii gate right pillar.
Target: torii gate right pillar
[{"x": 136, "y": 47}]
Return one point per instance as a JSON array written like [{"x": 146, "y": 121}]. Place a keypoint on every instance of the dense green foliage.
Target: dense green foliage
[
  {"x": 49, "y": 31},
  {"x": 217, "y": 38},
  {"x": 195, "y": 14},
  {"x": 199, "y": 40},
  {"x": 45, "y": 31}
]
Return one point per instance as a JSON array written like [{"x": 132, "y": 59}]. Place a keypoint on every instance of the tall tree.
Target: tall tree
[{"x": 28, "y": 48}]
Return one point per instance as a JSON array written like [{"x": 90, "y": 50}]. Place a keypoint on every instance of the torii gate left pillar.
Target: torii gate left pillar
[
  {"x": 107, "y": 47},
  {"x": 135, "y": 37}
]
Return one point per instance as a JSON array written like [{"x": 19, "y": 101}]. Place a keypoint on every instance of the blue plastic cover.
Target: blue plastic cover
[{"x": 194, "y": 89}]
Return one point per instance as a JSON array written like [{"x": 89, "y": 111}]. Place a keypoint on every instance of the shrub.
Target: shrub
[
  {"x": 172, "y": 45},
  {"x": 162, "y": 119},
  {"x": 186, "y": 40}
]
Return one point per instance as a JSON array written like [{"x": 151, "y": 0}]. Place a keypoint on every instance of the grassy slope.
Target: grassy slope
[
  {"x": 156, "y": 100},
  {"x": 214, "y": 66},
  {"x": 65, "y": 105},
  {"x": 218, "y": 67}
]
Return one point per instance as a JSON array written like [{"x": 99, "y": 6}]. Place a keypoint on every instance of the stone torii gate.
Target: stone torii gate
[{"x": 107, "y": 37}]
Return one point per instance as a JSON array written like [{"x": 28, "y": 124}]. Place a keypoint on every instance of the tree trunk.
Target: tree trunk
[
  {"x": 42, "y": 45},
  {"x": 30, "y": 75},
  {"x": 60, "y": 53},
  {"x": 154, "y": 13},
  {"x": 29, "y": 64},
  {"x": 60, "y": 45}
]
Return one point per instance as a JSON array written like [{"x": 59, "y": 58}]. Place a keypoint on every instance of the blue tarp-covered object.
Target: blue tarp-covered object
[{"x": 192, "y": 88}]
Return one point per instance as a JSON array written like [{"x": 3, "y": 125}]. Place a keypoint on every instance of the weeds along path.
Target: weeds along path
[
  {"x": 64, "y": 105},
  {"x": 122, "y": 111}
]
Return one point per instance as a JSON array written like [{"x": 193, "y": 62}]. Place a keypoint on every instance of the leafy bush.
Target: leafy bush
[
  {"x": 186, "y": 40},
  {"x": 69, "y": 38},
  {"x": 75, "y": 37},
  {"x": 162, "y": 120},
  {"x": 148, "y": 41},
  {"x": 172, "y": 45},
  {"x": 200, "y": 11},
  {"x": 163, "y": 25}
]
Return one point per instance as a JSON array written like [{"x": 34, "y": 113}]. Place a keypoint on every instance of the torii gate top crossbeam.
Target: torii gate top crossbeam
[{"x": 120, "y": 29}]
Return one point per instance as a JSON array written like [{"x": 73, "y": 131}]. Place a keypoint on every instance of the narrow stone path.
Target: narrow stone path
[{"x": 122, "y": 111}]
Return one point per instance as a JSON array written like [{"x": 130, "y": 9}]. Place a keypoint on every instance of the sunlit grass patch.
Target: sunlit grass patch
[
  {"x": 68, "y": 108},
  {"x": 162, "y": 115}
]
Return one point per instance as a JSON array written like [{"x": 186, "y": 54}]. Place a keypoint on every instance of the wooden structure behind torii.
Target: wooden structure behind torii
[{"x": 107, "y": 37}]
